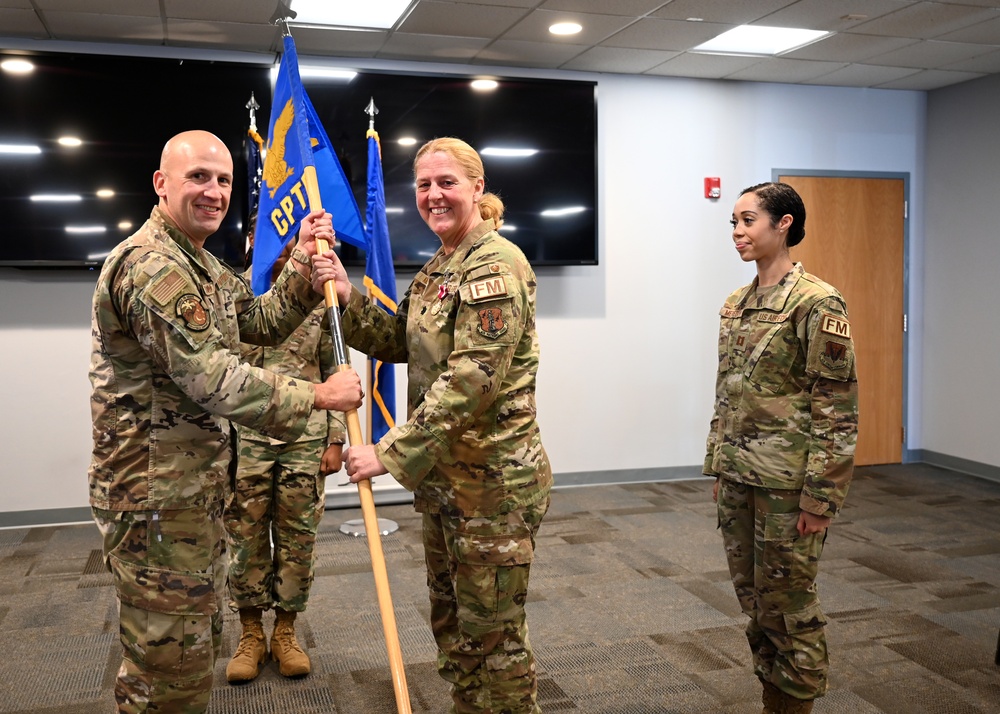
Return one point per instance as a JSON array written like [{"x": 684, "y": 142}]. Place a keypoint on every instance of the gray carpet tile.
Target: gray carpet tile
[{"x": 631, "y": 609}]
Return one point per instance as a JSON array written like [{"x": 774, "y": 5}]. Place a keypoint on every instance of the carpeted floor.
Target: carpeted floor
[{"x": 631, "y": 609}]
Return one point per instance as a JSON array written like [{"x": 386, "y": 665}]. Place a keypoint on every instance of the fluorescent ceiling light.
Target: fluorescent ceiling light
[
  {"x": 760, "y": 40},
  {"x": 394, "y": 209},
  {"x": 19, "y": 149},
  {"x": 407, "y": 141},
  {"x": 380, "y": 14},
  {"x": 560, "y": 212},
  {"x": 344, "y": 75},
  {"x": 71, "y": 141},
  {"x": 484, "y": 85},
  {"x": 57, "y": 197},
  {"x": 124, "y": 225},
  {"x": 509, "y": 228},
  {"x": 17, "y": 66},
  {"x": 507, "y": 153},
  {"x": 86, "y": 229},
  {"x": 105, "y": 193}
]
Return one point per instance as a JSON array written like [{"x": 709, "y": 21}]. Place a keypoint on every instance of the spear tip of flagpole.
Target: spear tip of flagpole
[{"x": 282, "y": 14}]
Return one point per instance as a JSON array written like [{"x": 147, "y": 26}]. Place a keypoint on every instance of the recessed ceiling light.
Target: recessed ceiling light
[
  {"x": 105, "y": 193},
  {"x": 379, "y": 14},
  {"x": 484, "y": 85},
  {"x": 760, "y": 40},
  {"x": 695, "y": 19},
  {"x": 565, "y": 28},
  {"x": 124, "y": 225},
  {"x": 70, "y": 141},
  {"x": 17, "y": 66},
  {"x": 407, "y": 141}
]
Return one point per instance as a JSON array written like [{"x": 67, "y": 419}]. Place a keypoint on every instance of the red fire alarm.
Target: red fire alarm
[{"x": 713, "y": 187}]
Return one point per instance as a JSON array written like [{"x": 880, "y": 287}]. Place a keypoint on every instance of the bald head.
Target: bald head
[{"x": 194, "y": 183}]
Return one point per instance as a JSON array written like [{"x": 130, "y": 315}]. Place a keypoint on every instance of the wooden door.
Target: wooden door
[{"x": 854, "y": 241}]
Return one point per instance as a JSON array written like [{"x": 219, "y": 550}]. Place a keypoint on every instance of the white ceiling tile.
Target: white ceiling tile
[
  {"x": 862, "y": 75},
  {"x": 924, "y": 20},
  {"x": 409, "y": 46},
  {"x": 778, "y": 69},
  {"x": 722, "y": 11},
  {"x": 928, "y": 54},
  {"x": 627, "y": 8},
  {"x": 445, "y": 18},
  {"x": 985, "y": 33},
  {"x": 617, "y": 59},
  {"x": 535, "y": 27},
  {"x": 831, "y": 15},
  {"x": 241, "y": 11},
  {"x": 223, "y": 34},
  {"x": 656, "y": 34},
  {"x": 929, "y": 79},
  {"x": 88, "y": 26},
  {"x": 695, "y": 64},
  {"x": 19, "y": 4},
  {"x": 309, "y": 40},
  {"x": 848, "y": 47},
  {"x": 148, "y": 8},
  {"x": 528, "y": 54},
  {"x": 21, "y": 23},
  {"x": 988, "y": 63}
]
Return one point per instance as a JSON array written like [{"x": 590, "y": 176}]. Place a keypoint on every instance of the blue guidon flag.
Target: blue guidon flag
[{"x": 296, "y": 140}]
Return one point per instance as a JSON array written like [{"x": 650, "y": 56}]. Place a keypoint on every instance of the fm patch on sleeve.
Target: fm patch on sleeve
[
  {"x": 836, "y": 326},
  {"x": 165, "y": 288},
  {"x": 491, "y": 322},
  {"x": 189, "y": 307},
  {"x": 489, "y": 288}
]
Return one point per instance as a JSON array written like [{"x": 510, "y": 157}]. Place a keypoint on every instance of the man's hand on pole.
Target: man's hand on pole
[
  {"x": 340, "y": 392},
  {"x": 318, "y": 224}
]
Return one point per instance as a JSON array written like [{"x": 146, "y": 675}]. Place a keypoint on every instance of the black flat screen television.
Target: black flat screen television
[
  {"x": 550, "y": 196},
  {"x": 124, "y": 108}
]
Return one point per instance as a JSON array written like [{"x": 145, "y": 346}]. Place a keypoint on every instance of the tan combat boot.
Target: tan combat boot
[
  {"x": 291, "y": 658},
  {"x": 251, "y": 652},
  {"x": 778, "y": 702}
]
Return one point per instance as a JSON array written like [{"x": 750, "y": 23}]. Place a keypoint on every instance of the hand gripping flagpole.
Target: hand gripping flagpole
[{"x": 356, "y": 438}]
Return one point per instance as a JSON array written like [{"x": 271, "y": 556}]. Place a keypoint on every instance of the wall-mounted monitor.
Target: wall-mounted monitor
[
  {"x": 537, "y": 137},
  {"x": 68, "y": 204}
]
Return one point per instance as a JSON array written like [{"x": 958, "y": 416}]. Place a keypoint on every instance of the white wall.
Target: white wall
[
  {"x": 961, "y": 345},
  {"x": 628, "y": 347}
]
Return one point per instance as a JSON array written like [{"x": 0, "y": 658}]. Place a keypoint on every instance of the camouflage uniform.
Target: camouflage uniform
[
  {"x": 167, "y": 381},
  {"x": 782, "y": 440},
  {"x": 280, "y": 492},
  {"x": 472, "y": 454}
]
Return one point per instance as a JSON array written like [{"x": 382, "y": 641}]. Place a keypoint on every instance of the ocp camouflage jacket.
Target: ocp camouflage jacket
[
  {"x": 167, "y": 379},
  {"x": 466, "y": 328},
  {"x": 786, "y": 406}
]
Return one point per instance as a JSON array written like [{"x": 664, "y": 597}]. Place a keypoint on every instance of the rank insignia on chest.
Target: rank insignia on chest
[
  {"x": 189, "y": 307},
  {"x": 491, "y": 322}
]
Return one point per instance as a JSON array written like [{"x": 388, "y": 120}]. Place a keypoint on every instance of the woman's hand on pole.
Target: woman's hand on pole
[
  {"x": 362, "y": 463},
  {"x": 328, "y": 267}
]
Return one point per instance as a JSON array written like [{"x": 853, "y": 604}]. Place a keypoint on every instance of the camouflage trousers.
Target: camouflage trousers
[
  {"x": 271, "y": 520},
  {"x": 477, "y": 574},
  {"x": 169, "y": 573},
  {"x": 774, "y": 573}
]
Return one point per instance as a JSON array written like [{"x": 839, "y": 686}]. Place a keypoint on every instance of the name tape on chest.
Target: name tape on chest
[
  {"x": 489, "y": 288},
  {"x": 836, "y": 326}
]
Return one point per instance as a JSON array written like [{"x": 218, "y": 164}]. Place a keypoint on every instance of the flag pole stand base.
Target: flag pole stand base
[{"x": 356, "y": 527}]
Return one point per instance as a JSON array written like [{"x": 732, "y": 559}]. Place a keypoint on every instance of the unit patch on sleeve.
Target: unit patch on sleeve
[
  {"x": 491, "y": 322},
  {"x": 189, "y": 307},
  {"x": 833, "y": 325},
  {"x": 834, "y": 355}
]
